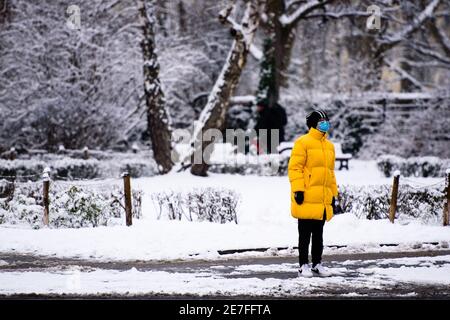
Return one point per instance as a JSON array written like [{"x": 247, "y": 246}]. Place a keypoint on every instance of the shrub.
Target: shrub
[
  {"x": 373, "y": 202},
  {"x": 415, "y": 166},
  {"x": 138, "y": 168},
  {"x": 70, "y": 206},
  {"x": 205, "y": 204},
  {"x": 262, "y": 165},
  {"x": 78, "y": 169},
  {"x": 31, "y": 170}
]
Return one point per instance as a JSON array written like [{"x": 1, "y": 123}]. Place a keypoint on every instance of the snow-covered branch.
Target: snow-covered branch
[
  {"x": 290, "y": 19},
  {"x": 226, "y": 12},
  {"x": 403, "y": 74},
  {"x": 427, "y": 13},
  {"x": 243, "y": 29},
  {"x": 339, "y": 15},
  {"x": 441, "y": 38},
  {"x": 256, "y": 52},
  {"x": 213, "y": 115},
  {"x": 429, "y": 52}
]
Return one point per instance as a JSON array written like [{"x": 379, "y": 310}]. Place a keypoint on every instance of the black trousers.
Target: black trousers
[{"x": 308, "y": 229}]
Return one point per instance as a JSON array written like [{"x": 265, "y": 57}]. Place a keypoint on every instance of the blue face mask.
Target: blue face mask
[{"x": 323, "y": 126}]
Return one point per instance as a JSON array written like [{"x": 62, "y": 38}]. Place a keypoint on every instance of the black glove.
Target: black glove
[
  {"x": 298, "y": 196},
  {"x": 336, "y": 207}
]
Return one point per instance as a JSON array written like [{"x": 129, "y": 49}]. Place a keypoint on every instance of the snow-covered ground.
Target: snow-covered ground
[
  {"x": 263, "y": 215},
  {"x": 350, "y": 278}
]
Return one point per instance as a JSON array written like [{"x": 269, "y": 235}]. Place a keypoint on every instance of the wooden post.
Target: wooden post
[
  {"x": 12, "y": 153},
  {"x": 393, "y": 208},
  {"x": 61, "y": 149},
  {"x": 46, "y": 188},
  {"x": 127, "y": 193},
  {"x": 447, "y": 204},
  {"x": 85, "y": 153}
]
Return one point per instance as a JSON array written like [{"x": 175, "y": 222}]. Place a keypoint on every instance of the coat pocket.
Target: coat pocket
[{"x": 307, "y": 179}]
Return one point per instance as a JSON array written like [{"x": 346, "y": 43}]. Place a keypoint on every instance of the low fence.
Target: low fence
[
  {"x": 380, "y": 200},
  {"x": 84, "y": 192},
  {"x": 395, "y": 191}
]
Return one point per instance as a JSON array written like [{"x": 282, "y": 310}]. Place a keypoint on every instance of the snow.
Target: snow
[
  {"x": 263, "y": 215},
  {"x": 256, "y": 52},
  {"x": 422, "y": 17},
  {"x": 243, "y": 99},
  {"x": 416, "y": 274},
  {"x": 130, "y": 282},
  {"x": 317, "y": 96},
  {"x": 286, "y": 20}
]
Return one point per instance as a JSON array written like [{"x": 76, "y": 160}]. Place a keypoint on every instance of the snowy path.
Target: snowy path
[{"x": 417, "y": 274}]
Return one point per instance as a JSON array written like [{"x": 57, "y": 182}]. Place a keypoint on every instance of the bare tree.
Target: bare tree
[
  {"x": 398, "y": 28},
  {"x": 157, "y": 115},
  {"x": 213, "y": 115},
  {"x": 59, "y": 85},
  {"x": 281, "y": 23}
]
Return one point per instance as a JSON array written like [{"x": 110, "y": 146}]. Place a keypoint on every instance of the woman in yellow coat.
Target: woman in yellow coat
[{"x": 313, "y": 190}]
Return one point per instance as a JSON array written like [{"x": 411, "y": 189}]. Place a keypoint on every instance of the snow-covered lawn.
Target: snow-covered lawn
[{"x": 263, "y": 215}]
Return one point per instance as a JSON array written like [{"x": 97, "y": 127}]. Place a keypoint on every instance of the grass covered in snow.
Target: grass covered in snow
[{"x": 263, "y": 215}]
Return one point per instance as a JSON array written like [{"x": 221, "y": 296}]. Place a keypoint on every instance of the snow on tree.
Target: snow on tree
[
  {"x": 85, "y": 86},
  {"x": 63, "y": 86},
  {"x": 281, "y": 20},
  {"x": 157, "y": 115},
  {"x": 401, "y": 28},
  {"x": 213, "y": 115}
]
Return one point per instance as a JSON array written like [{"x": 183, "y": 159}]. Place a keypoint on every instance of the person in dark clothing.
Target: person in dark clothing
[
  {"x": 270, "y": 118},
  {"x": 313, "y": 190}
]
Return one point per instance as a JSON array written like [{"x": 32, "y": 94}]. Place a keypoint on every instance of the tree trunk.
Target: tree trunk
[
  {"x": 283, "y": 38},
  {"x": 4, "y": 11},
  {"x": 182, "y": 25},
  {"x": 161, "y": 15},
  {"x": 213, "y": 115},
  {"x": 157, "y": 116}
]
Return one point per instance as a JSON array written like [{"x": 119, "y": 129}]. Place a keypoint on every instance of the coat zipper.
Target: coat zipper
[{"x": 325, "y": 176}]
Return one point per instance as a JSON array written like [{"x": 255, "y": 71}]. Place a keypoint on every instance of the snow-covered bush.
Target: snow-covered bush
[
  {"x": 373, "y": 202},
  {"x": 23, "y": 168},
  {"x": 261, "y": 165},
  {"x": 205, "y": 204},
  {"x": 239, "y": 117},
  {"x": 414, "y": 133},
  {"x": 76, "y": 169},
  {"x": 70, "y": 206},
  {"x": 415, "y": 166},
  {"x": 66, "y": 168},
  {"x": 139, "y": 167}
]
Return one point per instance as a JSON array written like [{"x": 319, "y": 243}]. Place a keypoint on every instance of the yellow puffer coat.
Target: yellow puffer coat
[{"x": 311, "y": 169}]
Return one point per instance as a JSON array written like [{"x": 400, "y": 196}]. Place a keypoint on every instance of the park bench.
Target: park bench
[{"x": 342, "y": 158}]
